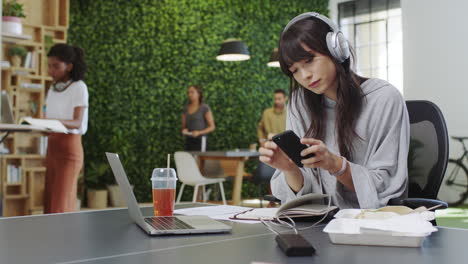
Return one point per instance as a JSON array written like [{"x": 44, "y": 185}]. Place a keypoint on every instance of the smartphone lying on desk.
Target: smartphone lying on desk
[{"x": 291, "y": 144}]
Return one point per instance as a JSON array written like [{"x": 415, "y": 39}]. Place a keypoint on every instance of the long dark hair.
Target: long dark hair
[
  {"x": 312, "y": 33},
  {"x": 70, "y": 54},
  {"x": 199, "y": 91}
]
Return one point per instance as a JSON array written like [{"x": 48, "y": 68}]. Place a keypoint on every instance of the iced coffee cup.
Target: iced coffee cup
[{"x": 164, "y": 185}]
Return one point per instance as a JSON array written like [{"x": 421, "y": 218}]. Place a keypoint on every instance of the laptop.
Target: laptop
[
  {"x": 161, "y": 225},
  {"x": 6, "y": 110}
]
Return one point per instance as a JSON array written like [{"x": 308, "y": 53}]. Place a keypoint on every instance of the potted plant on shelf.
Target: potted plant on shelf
[
  {"x": 12, "y": 13},
  {"x": 96, "y": 182},
  {"x": 16, "y": 53}
]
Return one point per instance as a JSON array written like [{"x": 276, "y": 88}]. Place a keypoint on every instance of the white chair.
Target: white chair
[{"x": 189, "y": 174}]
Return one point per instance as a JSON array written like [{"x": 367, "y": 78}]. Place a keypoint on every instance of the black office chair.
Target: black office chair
[
  {"x": 427, "y": 157},
  {"x": 262, "y": 175}
]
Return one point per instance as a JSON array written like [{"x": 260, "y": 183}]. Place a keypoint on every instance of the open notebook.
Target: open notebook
[
  {"x": 312, "y": 204},
  {"x": 47, "y": 124}
]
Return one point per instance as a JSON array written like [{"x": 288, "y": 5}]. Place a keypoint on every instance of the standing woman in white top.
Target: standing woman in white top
[{"x": 67, "y": 101}]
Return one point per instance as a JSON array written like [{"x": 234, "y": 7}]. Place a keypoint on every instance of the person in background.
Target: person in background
[
  {"x": 67, "y": 101},
  {"x": 197, "y": 121},
  {"x": 273, "y": 119},
  {"x": 358, "y": 128}
]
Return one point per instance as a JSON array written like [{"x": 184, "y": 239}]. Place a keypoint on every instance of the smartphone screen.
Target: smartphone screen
[{"x": 291, "y": 144}]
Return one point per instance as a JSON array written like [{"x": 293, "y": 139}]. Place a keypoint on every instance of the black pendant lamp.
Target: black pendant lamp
[
  {"x": 233, "y": 50},
  {"x": 274, "y": 59}
]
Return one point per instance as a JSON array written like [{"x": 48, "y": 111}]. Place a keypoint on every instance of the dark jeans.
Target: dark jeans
[{"x": 195, "y": 144}]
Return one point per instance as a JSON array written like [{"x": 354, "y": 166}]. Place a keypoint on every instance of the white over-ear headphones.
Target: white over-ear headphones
[
  {"x": 61, "y": 86},
  {"x": 336, "y": 41}
]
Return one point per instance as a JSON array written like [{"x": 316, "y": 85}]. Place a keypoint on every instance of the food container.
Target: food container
[
  {"x": 339, "y": 233},
  {"x": 380, "y": 228}
]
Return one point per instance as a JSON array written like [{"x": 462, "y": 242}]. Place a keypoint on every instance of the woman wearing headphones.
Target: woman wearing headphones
[
  {"x": 67, "y": 101},
  {"x": 358, "y": 128}
]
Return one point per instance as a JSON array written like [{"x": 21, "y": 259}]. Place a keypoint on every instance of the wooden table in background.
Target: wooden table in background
[{"x": 241, "y": 156}]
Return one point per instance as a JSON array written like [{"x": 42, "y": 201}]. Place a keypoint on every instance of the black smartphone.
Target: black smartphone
[{"x": 291, "y": 144}]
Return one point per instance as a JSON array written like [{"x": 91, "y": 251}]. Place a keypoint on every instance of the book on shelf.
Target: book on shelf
[
  {"x": 30, "y": 60},
  {"x": 32, "y": 85},
  {"x": 20, "y": 72},
  {"x": 5, "y": 64},
  {"x": 42, "y": 145},
  {"x": 9, "y": 37},
  {"x": 27, "y": 60},
  {"x": 47, "y": 124},
  {"x": 33, "y": 60},
  {"x": 309, "y": 205},
  {"x": 13, "y": 173}
]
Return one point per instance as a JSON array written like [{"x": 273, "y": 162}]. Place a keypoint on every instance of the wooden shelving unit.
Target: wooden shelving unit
[{"x": 46, "y": 22}]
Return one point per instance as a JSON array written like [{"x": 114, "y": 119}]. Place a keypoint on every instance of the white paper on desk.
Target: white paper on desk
[
  {"x": 264, "y": 213},
  {"x": 218, "y": 212}
]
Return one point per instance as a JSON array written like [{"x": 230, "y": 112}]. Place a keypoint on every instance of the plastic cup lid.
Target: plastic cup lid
[
  {"x": 163, "y": 175},
  {"x": 163, "y": 179}
]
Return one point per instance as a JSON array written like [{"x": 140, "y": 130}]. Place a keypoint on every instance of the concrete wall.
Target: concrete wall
[{"x": 435, "y": 58}]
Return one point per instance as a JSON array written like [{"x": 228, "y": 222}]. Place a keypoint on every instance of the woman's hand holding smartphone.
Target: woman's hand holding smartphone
[
  {"x": 291, "y": 145},
  {"x": 308, "y": 152},
  {"x": 323, "y": 158},
  {"x": 272, "y": 155}
]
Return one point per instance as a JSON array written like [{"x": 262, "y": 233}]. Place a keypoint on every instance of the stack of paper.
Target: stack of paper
[{"x": 219, "y": 212}]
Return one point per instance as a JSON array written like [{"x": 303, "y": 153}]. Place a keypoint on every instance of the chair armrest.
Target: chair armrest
[{"x": 418, "y": 202}]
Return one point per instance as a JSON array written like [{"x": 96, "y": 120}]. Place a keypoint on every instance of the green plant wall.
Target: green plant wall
[{"x": 143, "y": 54}]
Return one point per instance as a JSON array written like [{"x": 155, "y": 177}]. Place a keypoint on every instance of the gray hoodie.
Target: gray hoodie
[{"x": 379, "y": 166}]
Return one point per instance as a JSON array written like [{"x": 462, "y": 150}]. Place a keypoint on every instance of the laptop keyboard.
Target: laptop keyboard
[{"x": 167, "y": 223}]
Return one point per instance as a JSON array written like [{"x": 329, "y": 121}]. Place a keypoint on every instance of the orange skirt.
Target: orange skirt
[{"x": 64, "y": 162}]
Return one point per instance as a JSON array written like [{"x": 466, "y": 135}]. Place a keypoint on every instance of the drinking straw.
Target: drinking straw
[{"x": 167, "y": 174}]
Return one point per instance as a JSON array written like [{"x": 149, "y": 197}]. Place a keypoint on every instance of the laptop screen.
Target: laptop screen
[
  {"x": 5, "y": 109},
  {"x": 122, "y": 180}
]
